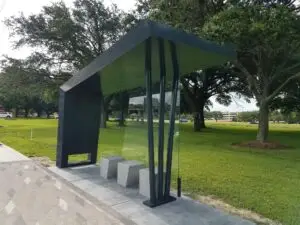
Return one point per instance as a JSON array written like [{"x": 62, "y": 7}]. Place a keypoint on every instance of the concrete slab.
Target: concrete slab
[
  {"x": 8, "y": 154},
  {"x": 128, "y": 202},
  {"x": 109, "y": 166},
  {"x": 144, "y": 183},
  {"x": 128, "y": 173}
]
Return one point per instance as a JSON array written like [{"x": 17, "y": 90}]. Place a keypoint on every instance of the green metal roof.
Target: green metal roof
[{"x": 121, "y": 67}]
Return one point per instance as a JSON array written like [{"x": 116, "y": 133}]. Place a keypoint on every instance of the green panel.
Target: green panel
[{"x": 127, "y": 72}]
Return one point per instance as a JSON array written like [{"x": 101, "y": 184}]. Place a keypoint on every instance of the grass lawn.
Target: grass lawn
[{"x": 265, "y": 181}]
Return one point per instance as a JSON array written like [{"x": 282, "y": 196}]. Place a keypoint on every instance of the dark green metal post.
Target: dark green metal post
[
  {"x": 162, "y": 63},
  {"x": 172, "y": 118},
  {"x": 148, "y": 77}
]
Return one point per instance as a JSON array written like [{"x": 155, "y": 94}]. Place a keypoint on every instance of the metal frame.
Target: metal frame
[
  {"x": 79, "y": 122},
  {"x": 162, "y": 62},
  {"x": 148, "y": 77},
  {"x": 160, "y": 193}
]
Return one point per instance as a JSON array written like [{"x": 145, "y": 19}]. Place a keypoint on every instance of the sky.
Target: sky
[{"x": 27, "y": 7}]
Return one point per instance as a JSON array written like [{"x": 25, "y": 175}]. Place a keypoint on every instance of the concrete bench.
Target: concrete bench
[
  {"x": 128, "y": 173},
  {"x": 144, "y": 184},
  {"x": 109, "y": 165}
]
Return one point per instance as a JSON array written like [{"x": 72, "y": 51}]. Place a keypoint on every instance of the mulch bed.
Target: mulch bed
[{"x": 261, "y": 145}]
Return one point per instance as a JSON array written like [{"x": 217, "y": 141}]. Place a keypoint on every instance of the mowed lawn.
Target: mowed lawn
[{"x": 264, "y": 181}]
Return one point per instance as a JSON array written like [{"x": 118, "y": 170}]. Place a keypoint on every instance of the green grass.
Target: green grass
[{"x": 265, "y": 181}]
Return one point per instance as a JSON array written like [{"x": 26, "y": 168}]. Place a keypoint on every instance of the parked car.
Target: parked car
[
  {"x": 183, "y": 120},
  {"x": 53, "y": 116},
  {"x": 6, "y": 115},
  {"x": 56, "y": 116}
]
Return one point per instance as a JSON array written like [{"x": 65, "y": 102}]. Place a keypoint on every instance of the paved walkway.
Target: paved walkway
[
  {"x": 34, "y": 195},
  {"x": 30, "y": 195},
  {"x": 128, "y": 202},
  {"x": 8, "y": 154}
]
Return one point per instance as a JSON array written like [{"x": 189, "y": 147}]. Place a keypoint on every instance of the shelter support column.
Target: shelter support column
[
  {"x": 162, "y": 63},
  {"x": 175, "y": 84},
  {"x": 160, "y": 184},
  {"x": 148, "y": 76}
]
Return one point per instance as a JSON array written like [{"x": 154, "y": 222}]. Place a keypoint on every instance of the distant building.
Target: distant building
[{"x": 229, "y": 116}]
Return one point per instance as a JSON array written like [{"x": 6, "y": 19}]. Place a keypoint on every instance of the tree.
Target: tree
[
  {"x": 69, "y": 37},
  {"x": 292, "y": 5},
  {"x": 247, "y": 116},
  {"x": 268, "y": 42},
  {"x": 276, "y": 116},
  {"x": 122, "y": 105},
  {"x": 199, "y": 87},
  {"x": 189, "y": 15},
  {"x": 289, "y": 100},
  {"x": 23, "y": 85},
  {"x": 217, "y": 115}
]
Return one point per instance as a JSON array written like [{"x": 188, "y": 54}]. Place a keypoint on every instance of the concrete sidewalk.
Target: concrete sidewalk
[
  {"x": 128, "y": 202},
  {"x": 30, "y": 195},
  {"x": 8, "y": 154},
  {"x": 34, "y": 195}
]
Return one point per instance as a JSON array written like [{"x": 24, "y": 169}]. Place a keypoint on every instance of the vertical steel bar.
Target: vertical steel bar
[
  {"x": 162, "y": 62},
  {"x": 148, "y": 77},
  {"x": 172, "y": 117}
]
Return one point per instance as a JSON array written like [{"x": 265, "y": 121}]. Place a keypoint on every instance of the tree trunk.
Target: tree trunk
[
  {"x": 199, "y": 122},
  {"x": 26, "y": 112},
  {"x": 202, "y": 120},
  {"x": 263, "y": 123},
  {"x": 124, "y": 104},
  {"x": 39, "y": 113},
  {"x": 106, "y": 115},
  {"x": 17, "y": 112},
  {"x": 103, "y": 113},
  {"x": 122, "y": 119},
  {"x": 103, "y": 117}
]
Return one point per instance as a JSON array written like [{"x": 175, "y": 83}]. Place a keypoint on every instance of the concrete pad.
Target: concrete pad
[
  {"x": 109, "y": 166},
  {"x": 76, "y": 173},
  {"x": 128, "y": 173},
  {"x": 144, "y": 184},
  {"x": 128, "y": 203},
  {"x": 8, "y": 154}
]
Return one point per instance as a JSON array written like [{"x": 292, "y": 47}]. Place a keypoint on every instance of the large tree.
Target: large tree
[
  {"x": 289, "y": 100},
  {"x": 25, "y": 85},
  {"x": 69, "y": 37},
  {"x": 199, "y": 87},
  {"x": 268, "y": 44}
]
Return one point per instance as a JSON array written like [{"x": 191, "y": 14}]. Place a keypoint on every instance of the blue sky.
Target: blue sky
[{"x": 27, "y": 7}]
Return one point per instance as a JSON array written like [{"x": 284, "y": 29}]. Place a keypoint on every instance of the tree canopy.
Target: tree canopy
[
  {"x": 266, "y": 35},
  {"x": 267, "y": 41},
  {"x": 66, "y": 39}
]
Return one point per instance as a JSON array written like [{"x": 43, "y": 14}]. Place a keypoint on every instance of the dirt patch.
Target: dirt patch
[
  {"x": 247, "y": 214},
  {"x": 44, "y": 161},
  {"x": 261, "y": 145}
]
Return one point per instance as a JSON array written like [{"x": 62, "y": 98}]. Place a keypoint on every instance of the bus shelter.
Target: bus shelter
[{"x": 152, "y": 56}]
